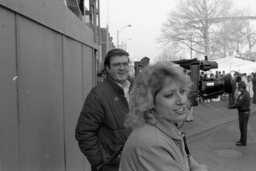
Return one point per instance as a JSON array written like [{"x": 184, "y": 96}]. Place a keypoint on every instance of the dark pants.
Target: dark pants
[
  {"x": 231, "y": 99},
  {"x": 254, "y": 97},
  {"x": 243, "y": 118}
]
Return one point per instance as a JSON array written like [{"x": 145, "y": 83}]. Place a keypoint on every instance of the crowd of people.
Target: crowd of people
[{"x": 129, "y": 123}]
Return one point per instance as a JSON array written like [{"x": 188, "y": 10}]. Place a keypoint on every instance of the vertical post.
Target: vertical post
[
  {"x": 107, "y": 41},
  {"x": 107, "y": 28},
  {"x": 118, "y": 32},
  {"x": 99, "y": 32},
  {"x": 117, "y": 38}
]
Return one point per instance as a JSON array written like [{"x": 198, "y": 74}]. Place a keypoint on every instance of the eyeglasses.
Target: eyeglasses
[{"x": 118, "y": 65}]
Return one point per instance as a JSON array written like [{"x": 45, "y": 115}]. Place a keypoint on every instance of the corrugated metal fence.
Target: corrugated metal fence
[{"x": 47, "y": 66}]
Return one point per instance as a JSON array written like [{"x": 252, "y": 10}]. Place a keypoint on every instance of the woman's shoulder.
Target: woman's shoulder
[{"x": 146, "y": 135}]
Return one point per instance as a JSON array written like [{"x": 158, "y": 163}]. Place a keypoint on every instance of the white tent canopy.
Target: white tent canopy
[{"x": 230, "y": 64}]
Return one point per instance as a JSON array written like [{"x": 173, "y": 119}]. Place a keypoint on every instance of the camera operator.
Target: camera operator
[{"x": 243, "y": 106}]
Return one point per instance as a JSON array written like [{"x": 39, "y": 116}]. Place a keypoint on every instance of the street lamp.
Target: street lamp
[
  {"x": 118, "y": 32},
  {"x": 123, "y": 44}
]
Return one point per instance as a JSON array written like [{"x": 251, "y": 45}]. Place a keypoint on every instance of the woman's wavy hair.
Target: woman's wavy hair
[{"x": 146, "y": 86}]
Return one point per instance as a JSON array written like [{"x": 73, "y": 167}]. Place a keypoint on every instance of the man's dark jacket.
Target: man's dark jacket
[
  {"x": 242, "y": 102},
  {"x": 254, "y": 83},
  {"x": 100, "y": 130}
]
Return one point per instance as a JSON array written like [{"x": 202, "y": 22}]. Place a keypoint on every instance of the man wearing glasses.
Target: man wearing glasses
[{"x": 100, "y": 130}]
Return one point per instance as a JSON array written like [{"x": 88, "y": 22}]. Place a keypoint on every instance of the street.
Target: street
[{"x": 212, "y": 135}]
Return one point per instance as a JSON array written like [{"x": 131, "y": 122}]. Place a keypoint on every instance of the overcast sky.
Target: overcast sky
[{"x": 146, "y": 18}]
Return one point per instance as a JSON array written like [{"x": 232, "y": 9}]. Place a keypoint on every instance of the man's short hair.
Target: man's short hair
[{"x": 112, "y": 53}]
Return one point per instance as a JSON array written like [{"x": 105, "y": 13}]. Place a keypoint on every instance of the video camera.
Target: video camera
[
  {"x": 140, "y": 65},
  {"x": 210, "y": 88}
]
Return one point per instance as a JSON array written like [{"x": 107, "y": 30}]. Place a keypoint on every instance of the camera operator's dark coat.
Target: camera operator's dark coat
[
  {"x": 100, "y": 130},
  {"x": 243, "y": 102}
]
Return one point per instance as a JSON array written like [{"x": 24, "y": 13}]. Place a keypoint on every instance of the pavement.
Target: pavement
[
  {"x": 208, "y": 115},
  {"x": 211, "y": 137}
]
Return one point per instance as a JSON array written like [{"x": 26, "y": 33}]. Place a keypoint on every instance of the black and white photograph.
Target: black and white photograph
[{"x": 127, "y": 85}]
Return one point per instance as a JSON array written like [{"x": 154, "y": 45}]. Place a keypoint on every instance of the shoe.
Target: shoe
[{"x": 240, "y": 144}]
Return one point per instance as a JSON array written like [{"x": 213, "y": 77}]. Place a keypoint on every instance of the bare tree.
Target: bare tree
[
  {"x": 229, "y": 36},
  {"x": 171, "y": 52},
  {"x": 190, "y": 23},
  {"x": 234, "y": 33},
  {"x": 250, "y": 36}
]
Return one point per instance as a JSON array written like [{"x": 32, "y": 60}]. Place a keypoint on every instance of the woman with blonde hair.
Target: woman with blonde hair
[{"x": 158, "y": 102}]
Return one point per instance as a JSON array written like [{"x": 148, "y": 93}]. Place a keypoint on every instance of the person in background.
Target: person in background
[
  {"x": 216, "y": 74},
  {"x": 101, "y": 76},
  {"x": 190, "y": 115},
  {"x": 212, "y": 76},
  {"x": 231, "y": 96},
  {"x": 249, "y": 85},
  {"x": 219, "y": 75},
  {"x": 244, "y": 79},
  {"x": 223, "y": 73},
  {"x": 158, "y": 103},
  {"x": 100, "y": 130},
  {"x": 243, "y": 106},
  {"x": 238, "y": 78},
  {"x": 254, "y": 88}
]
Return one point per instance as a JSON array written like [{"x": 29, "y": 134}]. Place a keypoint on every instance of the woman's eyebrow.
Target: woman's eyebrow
[{"x": 170, "y": 91}]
